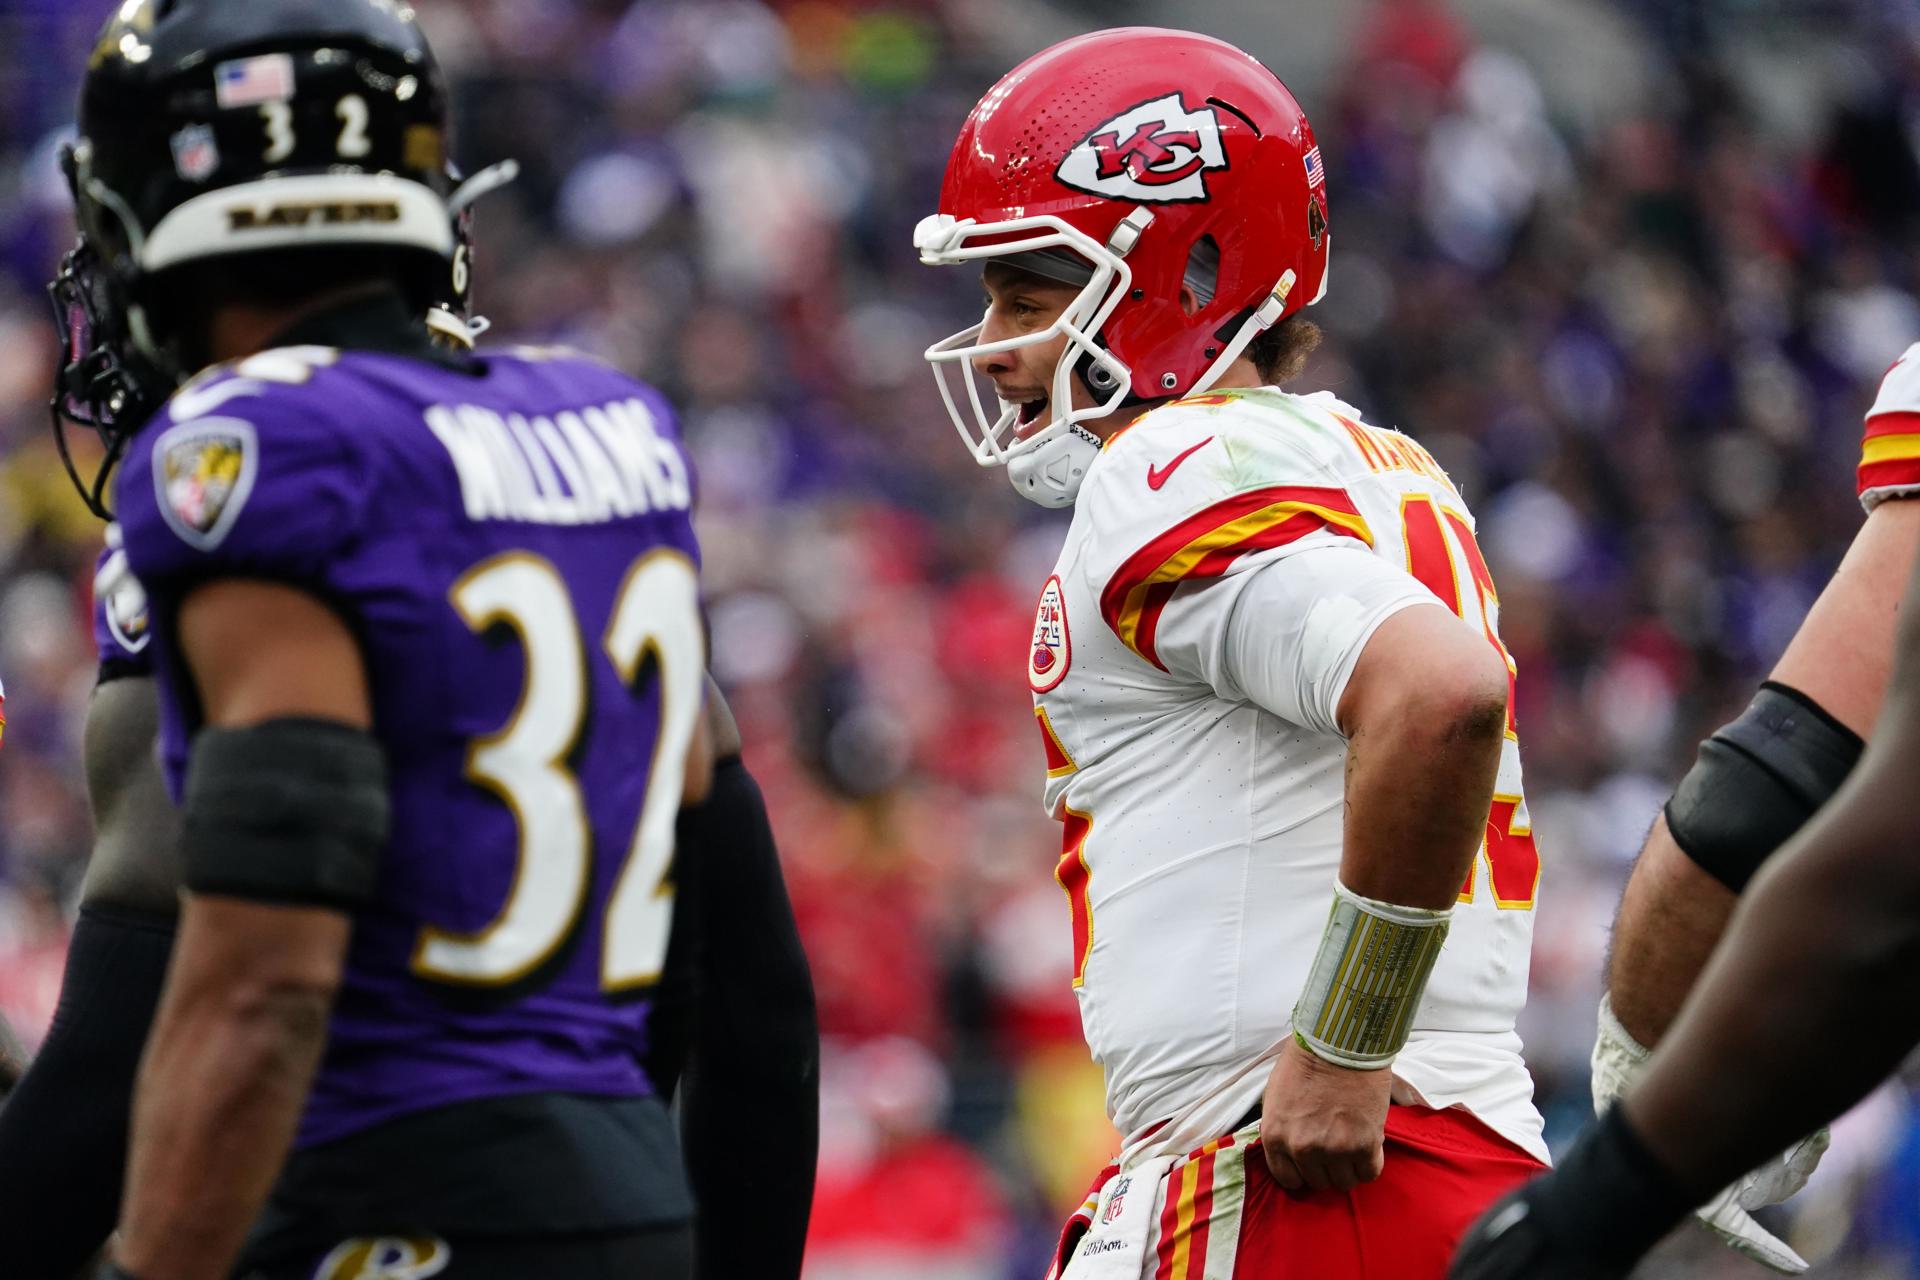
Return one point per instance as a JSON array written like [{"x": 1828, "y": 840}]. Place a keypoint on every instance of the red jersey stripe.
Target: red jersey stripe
[
  {"x": 1204, "y": 544},
  {"x": 1072, "y": 874},
  {"x": 1888, "y": 474},
  {"x": 1059, "y": 763},
  {"x": 1896, "y": 422}
]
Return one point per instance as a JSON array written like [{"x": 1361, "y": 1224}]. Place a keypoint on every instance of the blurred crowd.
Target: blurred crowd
[{"x": 1641, "y": 340}]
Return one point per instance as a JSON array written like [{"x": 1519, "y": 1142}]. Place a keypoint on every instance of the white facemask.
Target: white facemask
[{"x": 1048, "y": 465}]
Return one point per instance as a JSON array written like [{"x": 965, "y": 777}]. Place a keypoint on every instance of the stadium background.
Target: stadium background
[{"x": 1631, "y": 270}]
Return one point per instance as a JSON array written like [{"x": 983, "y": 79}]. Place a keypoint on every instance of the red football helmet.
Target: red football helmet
[{"x": 1159, "y": 158}]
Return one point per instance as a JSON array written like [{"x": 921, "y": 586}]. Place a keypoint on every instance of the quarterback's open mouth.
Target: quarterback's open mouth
[{"x": 1030, "y": 411}]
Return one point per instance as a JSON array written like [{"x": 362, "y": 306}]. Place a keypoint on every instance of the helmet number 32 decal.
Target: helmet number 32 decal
[
  {"x": 1156, "y": 153},
  {"x": 352, "y": 143}
]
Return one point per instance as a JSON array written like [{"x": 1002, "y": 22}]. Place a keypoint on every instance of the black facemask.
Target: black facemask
[{"x": 101, "y": 383}]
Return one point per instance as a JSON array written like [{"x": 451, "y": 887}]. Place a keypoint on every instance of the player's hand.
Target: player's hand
[
  {"x": 1729, "y": 1215},
  {"x": 1725, "y": 1216},
  {"x": 1323, "y": 1126},
  {"x": 1785, "y": 1174}
]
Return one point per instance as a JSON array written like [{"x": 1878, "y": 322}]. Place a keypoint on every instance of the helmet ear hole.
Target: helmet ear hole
[{"x": 1202, "y": 274}]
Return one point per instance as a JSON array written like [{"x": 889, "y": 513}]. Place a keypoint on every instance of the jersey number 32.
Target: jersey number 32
[{"x": 525, "y": 764}]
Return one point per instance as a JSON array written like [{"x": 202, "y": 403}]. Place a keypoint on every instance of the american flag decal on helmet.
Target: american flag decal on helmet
[
  {"x": 1316, "y": 172},
  {"x": 245, "y": 82}
]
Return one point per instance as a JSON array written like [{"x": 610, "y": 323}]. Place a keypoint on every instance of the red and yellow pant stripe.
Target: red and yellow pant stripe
[
  {"x": 1222, "y": 1216},
  {"x": 1188, "y": 1217}
]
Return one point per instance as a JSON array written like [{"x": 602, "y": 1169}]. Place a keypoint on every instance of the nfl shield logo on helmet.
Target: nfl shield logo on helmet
[
  {"x": 1156, "y": 153},
  {"x": 195, "y": 154},
  {"x": 202, "y": 474},
  {"x": 1052, "y": 650}
]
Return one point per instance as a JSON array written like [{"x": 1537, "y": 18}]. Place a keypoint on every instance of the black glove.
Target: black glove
[
  {"x": 1512, "y": 1242},
  {"x": 1591, "y": 1219}
]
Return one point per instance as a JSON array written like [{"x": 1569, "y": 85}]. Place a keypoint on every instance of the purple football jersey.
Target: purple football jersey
[{"x": 512, "y": 546}]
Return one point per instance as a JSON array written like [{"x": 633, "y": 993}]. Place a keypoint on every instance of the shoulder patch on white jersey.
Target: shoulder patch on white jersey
[
  {"x": 1052, "y": 650},
  {"x": 203, "y": 471}
]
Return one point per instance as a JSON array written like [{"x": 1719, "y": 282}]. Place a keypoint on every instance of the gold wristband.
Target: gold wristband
[{"x": 1367, "y": 979}]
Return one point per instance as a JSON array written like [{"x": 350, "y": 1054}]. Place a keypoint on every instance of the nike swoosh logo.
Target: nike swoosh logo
[{"x": 1157, "y": 476}]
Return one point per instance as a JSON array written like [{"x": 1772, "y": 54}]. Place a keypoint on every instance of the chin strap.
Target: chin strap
[
  {"x": 1264, "y": 317},
  {"x": 1051, "y": 474}
]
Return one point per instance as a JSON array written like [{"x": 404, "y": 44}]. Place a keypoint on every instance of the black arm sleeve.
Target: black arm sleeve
[
  {"x": 63, "y": 1132},
  {"x": 750, "y": 1097}
]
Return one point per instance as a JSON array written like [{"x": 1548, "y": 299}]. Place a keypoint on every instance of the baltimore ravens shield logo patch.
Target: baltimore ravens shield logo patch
[{"x": 202, "y": 473}]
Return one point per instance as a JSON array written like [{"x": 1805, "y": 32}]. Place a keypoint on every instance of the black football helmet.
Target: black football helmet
[
  {"x": 210, "y": 130},
  {"x": 451, "y": 318}
]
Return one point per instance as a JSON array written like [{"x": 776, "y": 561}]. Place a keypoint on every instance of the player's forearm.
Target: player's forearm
[
  {"x": 219, "y": 1095},
  {"x": 1420, "y": 776},
  {"x": 1830, "y": 932},
  {"x": 63, "y": 1137},
  {"x": 1671, "y": 917},
  {"x": 758, "y": 1038}
]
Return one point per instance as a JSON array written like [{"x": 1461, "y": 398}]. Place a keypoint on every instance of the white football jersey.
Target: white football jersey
[{"x": 1229, "y": 556}]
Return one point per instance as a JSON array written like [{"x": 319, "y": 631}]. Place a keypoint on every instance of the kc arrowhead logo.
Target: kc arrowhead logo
[
  {"x": 1156, "y": 153},
  {"x": 1052, "y": 650}
]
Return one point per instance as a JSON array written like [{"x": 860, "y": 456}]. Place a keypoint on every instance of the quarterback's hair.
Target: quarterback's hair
[{"x": 1280, "y": 353}]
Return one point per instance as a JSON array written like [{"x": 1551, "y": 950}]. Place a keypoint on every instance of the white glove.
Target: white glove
[
  {"x": 120, "y": 593},
  {"x": 1618, "y": 1060}
]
